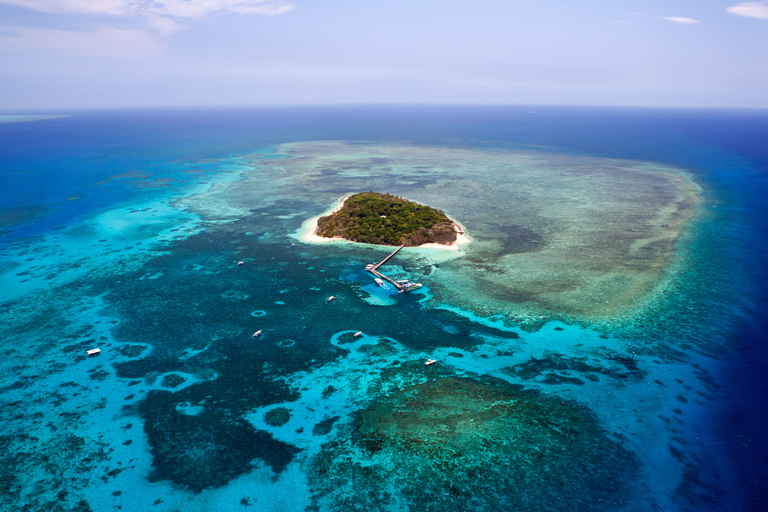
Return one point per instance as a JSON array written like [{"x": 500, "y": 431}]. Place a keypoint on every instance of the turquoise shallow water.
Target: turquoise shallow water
[{"x": 588, "y": 352}]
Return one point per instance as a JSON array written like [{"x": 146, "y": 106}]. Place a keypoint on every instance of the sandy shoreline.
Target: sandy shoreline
[{"x": 308, "y": 230}]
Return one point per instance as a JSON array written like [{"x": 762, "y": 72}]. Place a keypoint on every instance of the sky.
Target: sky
[{"x": 58, "y": 54}]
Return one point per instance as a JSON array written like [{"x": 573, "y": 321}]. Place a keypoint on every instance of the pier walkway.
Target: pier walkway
[
  {"x": 402, "y": 287},
  {"x": 387, "y": 258}
]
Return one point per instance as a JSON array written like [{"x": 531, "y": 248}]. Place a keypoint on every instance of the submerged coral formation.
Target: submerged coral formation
[
  {"x": 206, "y": 450},
  {"x": 473, "y": 444}
]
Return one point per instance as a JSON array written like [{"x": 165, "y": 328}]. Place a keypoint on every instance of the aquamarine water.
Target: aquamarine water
[{"x": 599, "y": 343}]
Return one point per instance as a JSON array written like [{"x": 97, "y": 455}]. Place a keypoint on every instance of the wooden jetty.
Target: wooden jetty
[
  {"x": 387, "y": 258},
  {"x": 373, "y": 269}
]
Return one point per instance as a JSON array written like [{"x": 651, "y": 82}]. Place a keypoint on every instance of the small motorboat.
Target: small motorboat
[
  {"x": 369, "y": 266},
  {"x": 241, "y": 263},
  {"x": 257, "y": 333},
  {"x": 358, "y": 334},
  {"x": 430, "y": 361},
  {"x": 329, "y": 299},
  {"x": 94, "y": 352},
  {"x": 381, "y": 283}
]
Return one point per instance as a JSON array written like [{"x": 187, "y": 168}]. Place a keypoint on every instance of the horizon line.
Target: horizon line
[{"x": 37, "y": 110}]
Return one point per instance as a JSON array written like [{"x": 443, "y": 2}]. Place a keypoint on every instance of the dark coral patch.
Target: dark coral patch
[
  {"x": 550, "y": 362},
  {"x": 172, "y": 380},
  {"x": 22, "y": 215},
  {"x": 207, "y": 450},
  {"x": 474, "y": 444},
  {"x": 277, "y": 417},
  {"x": 324, "y": 427}
]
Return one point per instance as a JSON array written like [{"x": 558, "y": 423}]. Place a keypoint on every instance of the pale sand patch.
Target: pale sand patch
[{"x": 307, "y": 232}]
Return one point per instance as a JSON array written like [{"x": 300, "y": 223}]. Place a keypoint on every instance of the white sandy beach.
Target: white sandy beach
[{"x": 308, "y": 232}]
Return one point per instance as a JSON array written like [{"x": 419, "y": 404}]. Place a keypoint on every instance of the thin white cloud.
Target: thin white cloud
[
  {"x": 750, "y": 9},
  {"x": 156, "y": 18},
  {"x": 679, "y": 19},
  {"x": 100, "y": 42},
  {"x": 177, "y": 8},
  {"x": 115, "y": 7},
  {"x": 202, "y": 8},
  {"x": 163, "y": 24}
]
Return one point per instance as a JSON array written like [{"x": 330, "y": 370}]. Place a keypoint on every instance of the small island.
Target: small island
[{"x": 385, "y": 219}]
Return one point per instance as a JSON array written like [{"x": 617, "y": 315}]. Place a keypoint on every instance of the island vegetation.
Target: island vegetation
[{"x": 385, "y": 219}]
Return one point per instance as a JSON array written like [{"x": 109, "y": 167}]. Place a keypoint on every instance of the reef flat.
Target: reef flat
[{"x": 583, "y": 238}]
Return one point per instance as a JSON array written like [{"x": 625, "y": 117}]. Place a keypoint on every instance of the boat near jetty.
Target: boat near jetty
[
  {"x": 403, "y": 285},
  {"x": 409, "y": 286}
]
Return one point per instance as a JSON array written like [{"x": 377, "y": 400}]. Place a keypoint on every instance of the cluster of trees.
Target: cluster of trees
[{"x": 385, "y": 219}]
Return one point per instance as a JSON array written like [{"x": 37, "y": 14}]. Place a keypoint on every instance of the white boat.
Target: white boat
[
  {"x": 380, "y": 282},
  {"x": 369, "y": 266},
  {"x": 430, "y": 361},
  {"x": 329, "y": 299},
  {"x": 358, "y": 334},
  {"x": 94, "y": 352},
  {"x": 257, "y": 333}
]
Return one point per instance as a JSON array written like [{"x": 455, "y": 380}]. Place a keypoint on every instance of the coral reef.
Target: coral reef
[{"x": 473, "y": 444}]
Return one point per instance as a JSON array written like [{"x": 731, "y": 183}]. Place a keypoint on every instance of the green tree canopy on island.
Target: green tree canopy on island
[{"x": 384, "y": 219}]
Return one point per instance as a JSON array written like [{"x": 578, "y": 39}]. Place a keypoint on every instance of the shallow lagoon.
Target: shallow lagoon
[{"x": 569, "y": 335}]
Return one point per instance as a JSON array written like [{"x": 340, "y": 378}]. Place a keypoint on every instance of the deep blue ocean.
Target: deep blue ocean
[{"x": 123, "y": 228}]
